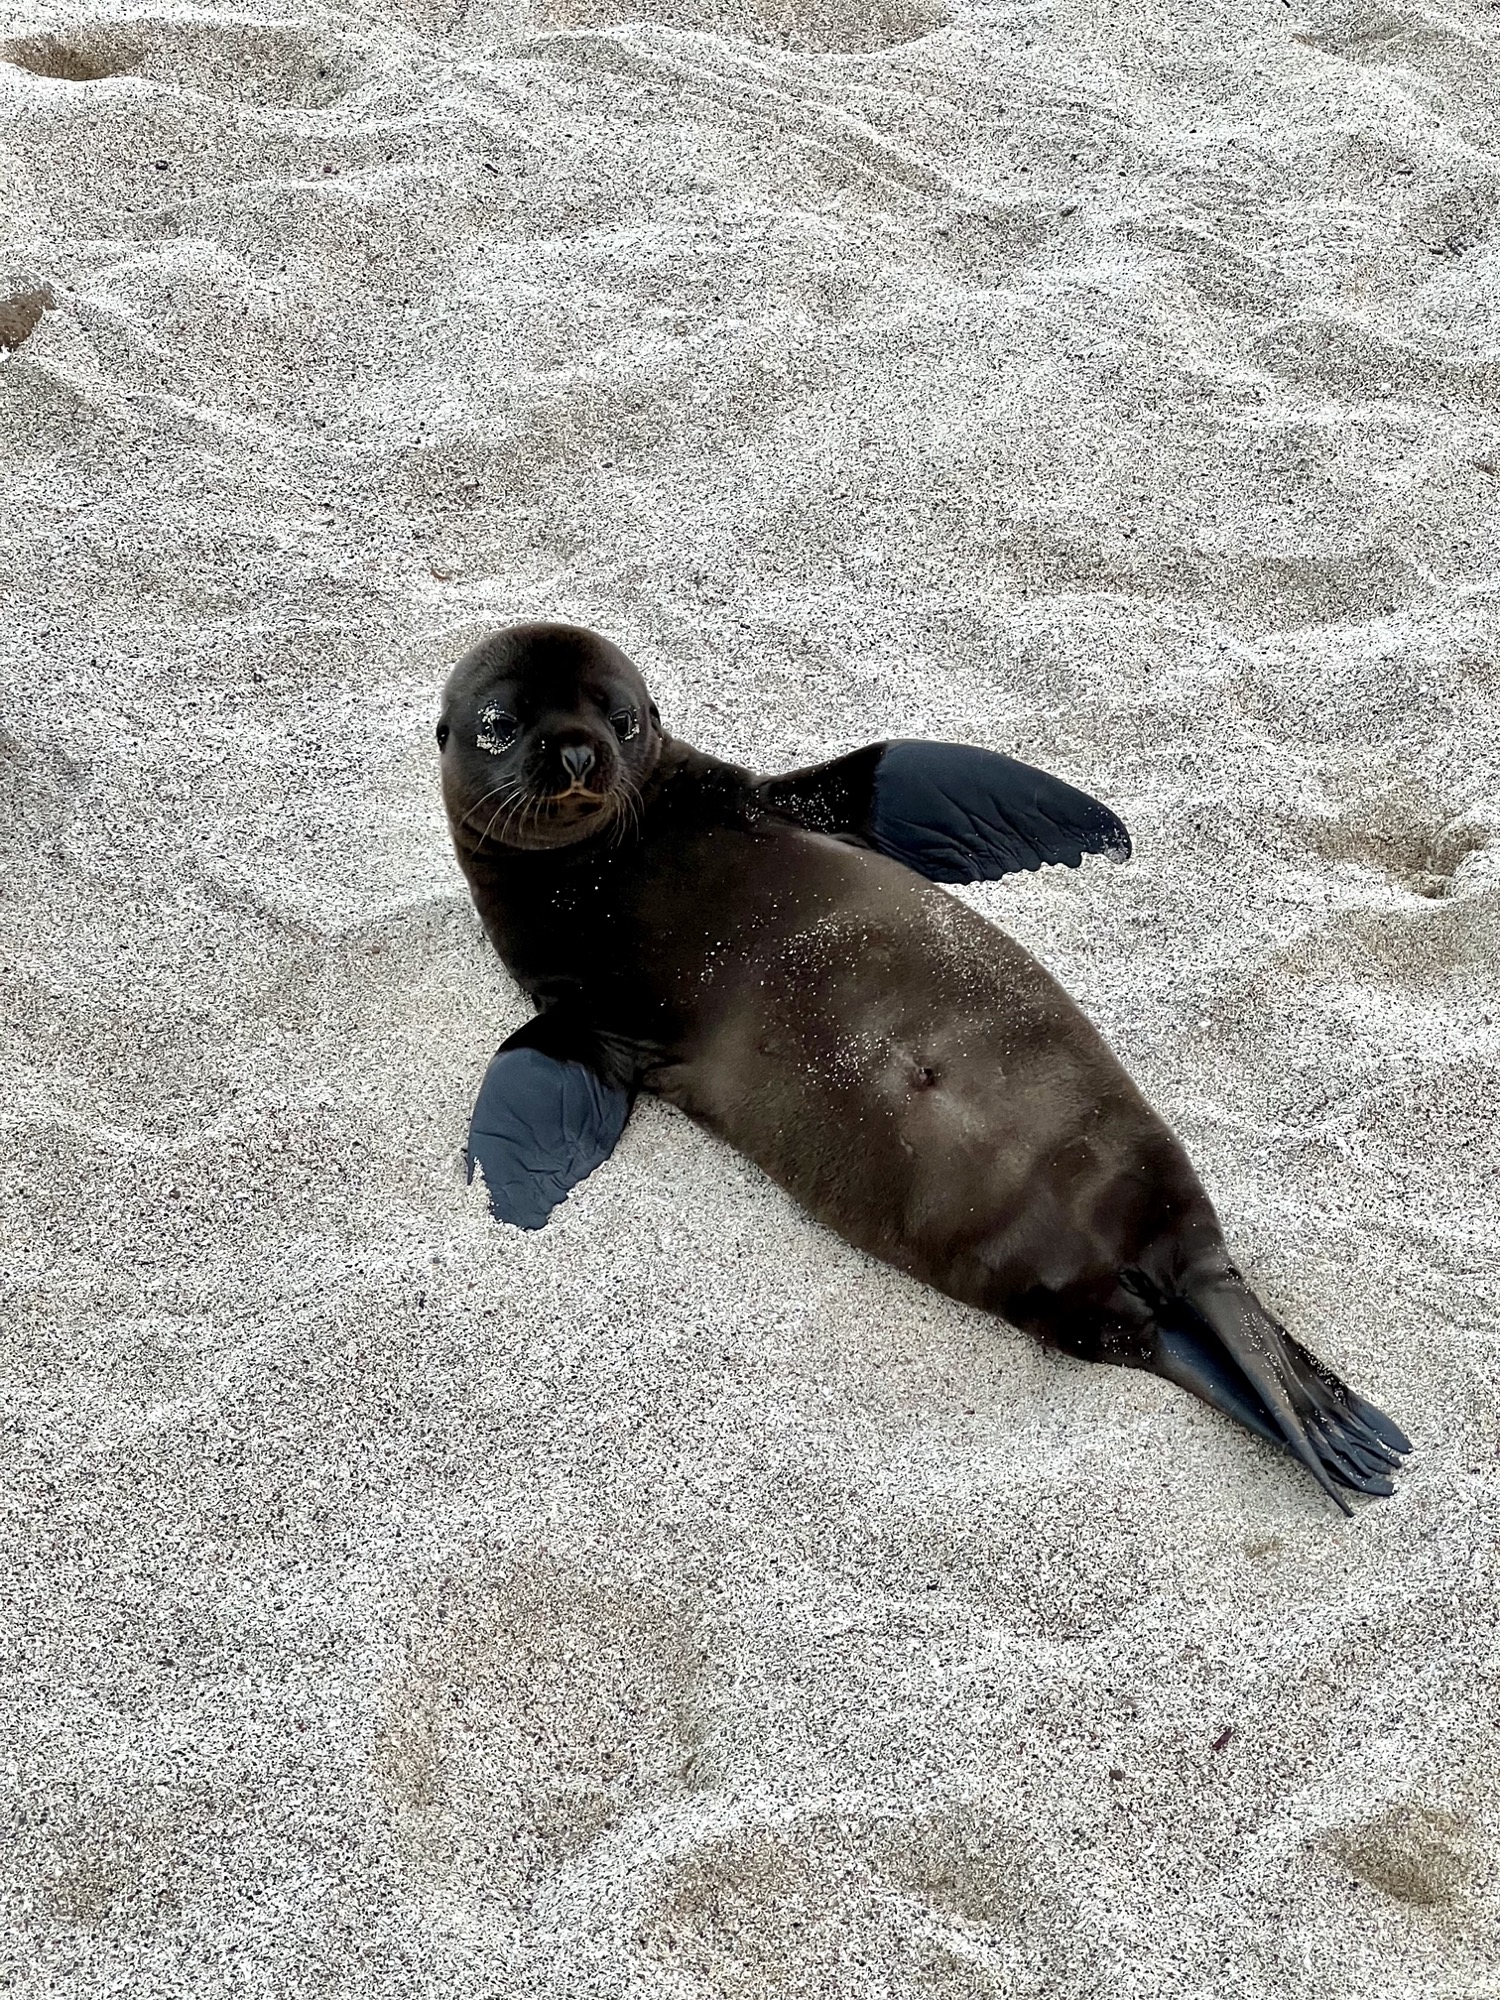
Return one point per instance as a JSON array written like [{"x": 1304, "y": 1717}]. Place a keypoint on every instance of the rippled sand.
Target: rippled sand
[{"x": 674, "y": 1603}]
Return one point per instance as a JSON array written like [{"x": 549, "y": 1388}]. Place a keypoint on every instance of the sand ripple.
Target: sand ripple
[{"x": 675, "y": 1604}]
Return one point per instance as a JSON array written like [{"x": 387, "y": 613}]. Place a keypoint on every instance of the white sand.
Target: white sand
[{"x": 675, "y": 1603}]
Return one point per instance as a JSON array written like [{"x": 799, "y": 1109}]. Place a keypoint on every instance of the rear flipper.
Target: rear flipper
[{"x": 1219, "y": 1341}]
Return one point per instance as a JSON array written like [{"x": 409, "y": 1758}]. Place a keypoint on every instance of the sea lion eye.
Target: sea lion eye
[
  {"x": 442, "y": 734},
  {"x": 497, "y": 730},
  {"x": 625, "y": 723}
]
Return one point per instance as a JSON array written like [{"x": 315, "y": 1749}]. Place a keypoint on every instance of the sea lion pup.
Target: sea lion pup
[{"x": 766, "y": 954}]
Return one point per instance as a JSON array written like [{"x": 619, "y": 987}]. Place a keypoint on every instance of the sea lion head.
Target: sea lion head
[{"x": 547, "y": 735}]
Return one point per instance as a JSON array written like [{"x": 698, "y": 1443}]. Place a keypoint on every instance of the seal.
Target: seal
[{"x": 770, "y": 955}]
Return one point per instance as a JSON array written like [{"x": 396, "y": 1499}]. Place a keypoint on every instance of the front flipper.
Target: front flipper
[
  {"x": 541, "y": 1124},
  {"x": 951, "y": 812}
]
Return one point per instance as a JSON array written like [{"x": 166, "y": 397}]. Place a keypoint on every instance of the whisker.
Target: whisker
[
  {"x": 627, "y": 811},
  {"x": 479, "y": 803},
  {"x": 515, "y": 807},
  {"x": 506, "y": 804},
  {"x": 516, "y": 815}
]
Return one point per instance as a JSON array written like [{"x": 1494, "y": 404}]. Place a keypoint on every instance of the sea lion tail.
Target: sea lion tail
[{"x": 1215, "y": 1338}]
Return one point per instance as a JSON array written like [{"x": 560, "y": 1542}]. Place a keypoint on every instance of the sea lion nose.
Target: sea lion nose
[{"x": 577, "y": 761}]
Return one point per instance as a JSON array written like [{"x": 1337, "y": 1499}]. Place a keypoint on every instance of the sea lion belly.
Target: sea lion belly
[{"x": 915, "y": 1079}]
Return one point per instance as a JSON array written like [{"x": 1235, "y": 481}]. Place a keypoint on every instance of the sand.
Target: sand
[{"x": 675, "y": 1603}]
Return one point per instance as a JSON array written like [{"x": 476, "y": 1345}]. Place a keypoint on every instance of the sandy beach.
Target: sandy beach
[{"x": 674, "y": 1603}]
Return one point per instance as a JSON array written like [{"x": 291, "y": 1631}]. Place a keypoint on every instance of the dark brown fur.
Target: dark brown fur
[{"x": 903, "y": 1069}]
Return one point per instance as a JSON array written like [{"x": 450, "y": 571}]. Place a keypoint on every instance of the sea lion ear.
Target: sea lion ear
[
  {"x": 655, "y": 713},
  {"x": 957, "y": 814},
  {"x": 540, "y": 1126}
]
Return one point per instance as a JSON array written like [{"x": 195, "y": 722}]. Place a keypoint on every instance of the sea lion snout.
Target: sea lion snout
[{"x": 568, "y": 753}]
